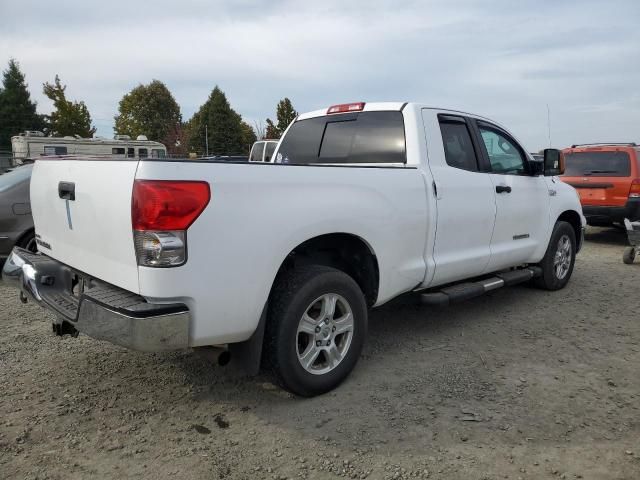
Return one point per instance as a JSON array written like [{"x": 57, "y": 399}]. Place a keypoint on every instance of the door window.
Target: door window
[
  {"x": 458, "y": 147},
  {"x": 504, "y": 154}
]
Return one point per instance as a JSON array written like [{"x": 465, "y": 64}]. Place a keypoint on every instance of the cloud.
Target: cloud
[{"x": 498, "y": 58}]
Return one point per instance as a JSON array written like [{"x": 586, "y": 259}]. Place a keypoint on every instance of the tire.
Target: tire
[
  {"x": 553, "y": 277},
  {"x": 28, "y": 242},
  {"x": 629, "y": 255},
  {"x": 290, "y": 339}
]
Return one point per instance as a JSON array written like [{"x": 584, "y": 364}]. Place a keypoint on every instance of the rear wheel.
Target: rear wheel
[
  {"x": 315, "y": 330},
  {"x": 559, "y": 259},
  {"x": 629, "y": 255}
]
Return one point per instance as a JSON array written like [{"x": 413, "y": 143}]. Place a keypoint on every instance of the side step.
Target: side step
[{"x": 467, "y": 290}]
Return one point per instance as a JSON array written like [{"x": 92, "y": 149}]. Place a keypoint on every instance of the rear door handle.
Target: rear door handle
[
  {"x": 67, "y": 190},
  {"x": 503, "y": 189}
]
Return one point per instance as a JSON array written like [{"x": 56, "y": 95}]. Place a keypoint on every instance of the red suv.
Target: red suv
[{"x": 607, "y": 178}]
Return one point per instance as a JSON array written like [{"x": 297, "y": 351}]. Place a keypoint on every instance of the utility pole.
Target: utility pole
[
  {"x": 206, "y": 138},
  {"x": 549, "y": 124}
]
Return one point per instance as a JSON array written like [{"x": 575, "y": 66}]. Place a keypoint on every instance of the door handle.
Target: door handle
[
  {"x": 503, "y": 189},
  {"x": 67, "y": 190}
]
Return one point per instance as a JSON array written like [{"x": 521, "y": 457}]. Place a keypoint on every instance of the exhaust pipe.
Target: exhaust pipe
[{"x": 218, "y": 355}]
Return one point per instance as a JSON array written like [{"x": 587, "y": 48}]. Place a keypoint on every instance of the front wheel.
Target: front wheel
[
  {"x": 316, "y": 327},
  {"x": 557, "y": 264}
]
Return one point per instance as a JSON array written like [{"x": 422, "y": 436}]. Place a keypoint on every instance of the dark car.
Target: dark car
[{"x": 16, "y": 223}]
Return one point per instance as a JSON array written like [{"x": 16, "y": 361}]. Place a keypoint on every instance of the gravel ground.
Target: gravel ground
[{"x": 520, "y": 383}]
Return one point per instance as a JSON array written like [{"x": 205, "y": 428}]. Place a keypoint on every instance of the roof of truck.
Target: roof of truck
[{"x": 388, "y": 106}]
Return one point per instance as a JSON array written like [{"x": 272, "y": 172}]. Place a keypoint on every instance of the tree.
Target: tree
[
  {"x": 248, "y": 136},
  {"x": 176, "y": 140},
  {"x": 17, "y": 111},
  {"x": 148, "y": 110},
  {"x": 69, "y": 118},
  {"x": 220, "y": 124},
  {"x": 285, "y": 114},
  {"x": 271, "y": 130}
]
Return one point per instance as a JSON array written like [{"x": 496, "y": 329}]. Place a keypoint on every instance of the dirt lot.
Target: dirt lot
[{"x": 517, "y": 384}]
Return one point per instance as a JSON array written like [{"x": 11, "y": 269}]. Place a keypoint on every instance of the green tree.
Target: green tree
[
  {"x": 271, "y": 131},
  {"x": 148, "y": 110},
  {"x": 69, "y": 118},
  {"x": 17, "y": 111},
  {"x": 248, "y": 136},
  {"x": 220, "y": 124},
  {"x": 285, "y": 114}
]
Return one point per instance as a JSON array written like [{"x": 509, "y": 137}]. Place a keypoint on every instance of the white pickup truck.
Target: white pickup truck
[{"x": 278, "y": 263}]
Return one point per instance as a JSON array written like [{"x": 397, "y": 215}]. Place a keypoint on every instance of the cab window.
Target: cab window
[{"x": 505, "y": 156}]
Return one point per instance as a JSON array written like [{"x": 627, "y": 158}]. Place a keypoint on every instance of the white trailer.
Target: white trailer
[{"x": 33, "y": 144}]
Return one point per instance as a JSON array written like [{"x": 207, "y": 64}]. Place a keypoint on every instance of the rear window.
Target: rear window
[
  {"x": 51, "y": 150},
  {"x": 269, "y": 149},
  {"x": 256, "y": 152},
  {"x": 600, "y": 164},
  {"x": 366, "y": 137}
]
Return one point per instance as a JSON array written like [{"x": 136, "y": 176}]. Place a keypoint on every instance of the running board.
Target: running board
[{"x": 467, "y": 290}]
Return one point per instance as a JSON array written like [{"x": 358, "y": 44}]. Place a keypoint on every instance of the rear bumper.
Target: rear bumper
[
  {"x": 100, "y": 310},
  {"x": 607, "y": 214}
]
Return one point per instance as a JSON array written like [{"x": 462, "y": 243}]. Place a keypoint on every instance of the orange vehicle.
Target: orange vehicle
[{"x": 607, "y": 178}]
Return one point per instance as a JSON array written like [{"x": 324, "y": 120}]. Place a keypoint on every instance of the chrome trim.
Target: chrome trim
[{"x": 36, "y": 275}]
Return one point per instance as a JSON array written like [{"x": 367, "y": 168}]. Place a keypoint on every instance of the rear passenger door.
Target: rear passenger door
[
  {"x": 522, "y": 200},
  {"x": 465, "y": 199}
]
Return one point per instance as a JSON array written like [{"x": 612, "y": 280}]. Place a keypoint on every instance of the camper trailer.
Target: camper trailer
[{"x": 31, "y": 145}]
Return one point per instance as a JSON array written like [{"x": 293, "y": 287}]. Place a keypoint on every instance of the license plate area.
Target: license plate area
[{"x": 592, "y": 193}]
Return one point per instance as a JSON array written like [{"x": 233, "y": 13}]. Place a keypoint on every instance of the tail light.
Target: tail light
[
  {"x": 634, "y": 191},
  {"x": 161, "y": 213},
  {"x": 346, "y": 107}
]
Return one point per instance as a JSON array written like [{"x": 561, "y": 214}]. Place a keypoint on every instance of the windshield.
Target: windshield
[
  {"x": 603, "y": 164},
  {"x": 13, "y": 177}
]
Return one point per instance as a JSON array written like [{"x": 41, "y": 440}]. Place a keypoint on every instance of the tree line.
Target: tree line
[{"x": 148, "y": 109}]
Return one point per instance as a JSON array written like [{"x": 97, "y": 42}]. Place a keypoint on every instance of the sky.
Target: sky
[{"x": 507, "y": 60}]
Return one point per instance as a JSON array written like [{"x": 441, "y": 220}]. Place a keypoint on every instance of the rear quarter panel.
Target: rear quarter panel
[{"x": 259, "y": 213}]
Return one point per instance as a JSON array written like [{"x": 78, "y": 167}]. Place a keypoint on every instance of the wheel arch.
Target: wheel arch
[
  {"x": 573, "y": 218},
  {"x": 25, "y": 234},
  {"x": 343, "y": 251}
]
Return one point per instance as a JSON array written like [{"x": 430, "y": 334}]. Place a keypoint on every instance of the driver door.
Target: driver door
[{"x": 522, "y": 200}]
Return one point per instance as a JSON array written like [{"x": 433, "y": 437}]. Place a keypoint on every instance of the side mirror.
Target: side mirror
[{"x": 553, "y": 162}]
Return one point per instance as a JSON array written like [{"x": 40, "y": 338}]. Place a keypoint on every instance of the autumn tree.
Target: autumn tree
[
  {"x": 69, "y": 117},
  {"x": 149, "y": 110},
  {"x": 17, "y": 111}
]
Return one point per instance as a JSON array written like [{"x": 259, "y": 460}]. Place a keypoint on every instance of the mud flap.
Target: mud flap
[{"x": 248, "y": 354}]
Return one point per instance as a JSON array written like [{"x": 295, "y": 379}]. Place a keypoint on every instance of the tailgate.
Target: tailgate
[{"x": 90, "y": 230}]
